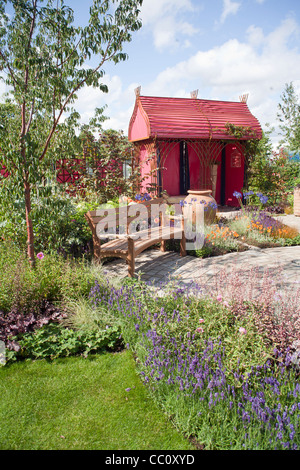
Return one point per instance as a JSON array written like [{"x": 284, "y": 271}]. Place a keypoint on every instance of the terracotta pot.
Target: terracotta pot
[
  {"x": 297, "y": 201},
  {"x": 199, "y": 200}
]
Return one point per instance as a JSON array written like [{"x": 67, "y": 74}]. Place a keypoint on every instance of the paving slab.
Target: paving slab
[
  {"x": 290, "y": 220},
  {"x": 158, "y": 267}
]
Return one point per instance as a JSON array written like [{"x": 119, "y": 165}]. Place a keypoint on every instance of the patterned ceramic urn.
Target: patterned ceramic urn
[{"x": 197, "y": 201}]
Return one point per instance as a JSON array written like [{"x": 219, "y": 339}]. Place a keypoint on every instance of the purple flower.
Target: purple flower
[
  {"x": 263, "y": 199},
  {"x": 40, "y": 255}
]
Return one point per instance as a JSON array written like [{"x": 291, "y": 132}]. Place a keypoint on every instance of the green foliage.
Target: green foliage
[
  {"x": 271, "y": 173},
  {"x": 175, "y": 316},
  {"x": 260, "y": 166},
  {"x": 105, "y": 158},
  {"x": 242, "y": 132},
  {"x": 54, "y": 340},
  {"x": 275, "y": 175},
  {"x": 60, "y": 225},
  {"x": 292, "y": 241},
  {"x": 58, "y": 221},
  {"x": 54, "y": 279},
  {"x": 289, "y": 117},
  {"x": 46, "y": 61}
]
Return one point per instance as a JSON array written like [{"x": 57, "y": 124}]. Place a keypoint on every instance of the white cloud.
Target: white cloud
[
  {"x": 255, "y": 36},
  {"x": 3, "y": 90},
  {"x": 119, "y": 101},
  {"x": 229, "y": 8},
  {"x": 90, "y": 98},
  {"x": 260, "y": 66},
  {"x": 165, "y": 20}
]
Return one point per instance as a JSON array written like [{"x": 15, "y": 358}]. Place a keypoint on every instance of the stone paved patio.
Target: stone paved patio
[{"x": 157, "y": 267}]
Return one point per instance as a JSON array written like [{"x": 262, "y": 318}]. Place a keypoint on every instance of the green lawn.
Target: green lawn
[{"x": 79, "y": 403}]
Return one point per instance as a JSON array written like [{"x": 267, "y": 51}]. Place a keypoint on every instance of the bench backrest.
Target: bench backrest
[{"x": 121, "y": 217}]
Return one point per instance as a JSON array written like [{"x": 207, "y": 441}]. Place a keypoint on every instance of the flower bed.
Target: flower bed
[
  {"x": 260, "y": 229},
  {"x": 256, "y": 226},
  {"x": 209, "y": 367},
  {"x": 216, "y": 361}
]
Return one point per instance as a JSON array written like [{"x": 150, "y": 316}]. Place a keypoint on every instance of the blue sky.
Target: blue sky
[{"x": 223, "y": 48}]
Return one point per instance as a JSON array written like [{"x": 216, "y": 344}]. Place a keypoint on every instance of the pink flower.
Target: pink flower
[
  {"x": 201, "y": 320},
  {"x": 242, "y": 330},
  {"x": 219, "y": 298},
  {"x": 226, "y": 303},
  {"x": 199, "y": 330},
  {"x": 40, "y": 255}
]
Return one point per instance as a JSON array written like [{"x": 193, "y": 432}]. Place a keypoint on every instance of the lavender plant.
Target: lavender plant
[{"x": 208, "y": 367}]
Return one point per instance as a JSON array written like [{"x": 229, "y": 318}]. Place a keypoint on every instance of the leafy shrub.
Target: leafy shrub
[
  {"x": 15, "y": 324},
  {"x": 60, "y": 226},
  {"x": 274, "y": 175},
  {"x": 54, "y": 279},
  {"x": 58, "y": 221},
  {"x": 55, "y": 340},
  {"x": 292, "y": 241}
]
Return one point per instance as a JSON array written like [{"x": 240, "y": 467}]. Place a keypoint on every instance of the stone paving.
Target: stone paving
[
  {"x": 158, "y": 267},
  {"x": 290, "y": 220}
]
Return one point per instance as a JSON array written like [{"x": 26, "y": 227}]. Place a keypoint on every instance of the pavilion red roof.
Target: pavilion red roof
[{"x": 189, "y": 118}]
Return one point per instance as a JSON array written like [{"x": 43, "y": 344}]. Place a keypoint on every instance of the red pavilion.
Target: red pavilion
[{"x": 184, "y": 143}]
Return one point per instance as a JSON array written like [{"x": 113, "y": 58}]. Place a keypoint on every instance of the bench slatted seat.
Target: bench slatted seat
[{"x": 129, "y": 245}]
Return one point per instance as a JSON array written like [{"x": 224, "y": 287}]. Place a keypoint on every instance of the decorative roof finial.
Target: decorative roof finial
[
  {"x": 194, "y": 94},
  {"x": 137, "y": 91},
  {"x": 244, "y": 98}
]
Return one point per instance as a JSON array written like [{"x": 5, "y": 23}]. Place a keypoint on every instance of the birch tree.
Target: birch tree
[{"x": 45, "y": 59}]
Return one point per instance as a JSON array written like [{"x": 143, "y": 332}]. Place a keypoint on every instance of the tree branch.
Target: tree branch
[
  {"x": 25, "y": 127},
  {"x": 9, "y": 68},
  {"x": 77, "y": 87}
]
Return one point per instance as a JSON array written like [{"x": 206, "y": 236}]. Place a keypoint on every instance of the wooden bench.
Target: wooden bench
[{"x": 130, "y": 244}]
